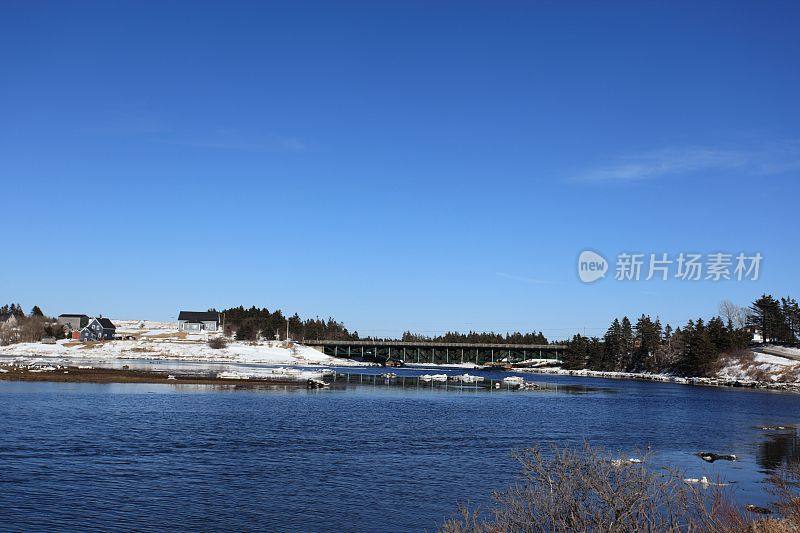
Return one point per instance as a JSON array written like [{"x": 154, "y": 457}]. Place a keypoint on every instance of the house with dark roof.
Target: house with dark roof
[
  {"x": 98, "y": 329},
  {"x": 197, "y": 321},
  {"x": 73, "y": 322}
]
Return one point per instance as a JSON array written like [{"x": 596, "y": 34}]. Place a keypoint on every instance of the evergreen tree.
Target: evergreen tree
[
  {"x": 246, "y": 330},
  {"x": 719, "y": 335},
  {"x": 699, "y": 353},
  {"x": 625, "y": 356},
  {"x": 765, "y": 316},
  {"x": 646, "y": 345},
  {"x": 613, "y": 346},
  {"x": 577, "y": 353},
  {"x": 791, "y": 316}
]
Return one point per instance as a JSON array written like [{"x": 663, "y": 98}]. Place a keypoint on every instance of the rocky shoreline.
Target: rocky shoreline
[
  {"x": 665, "y": 378},
  {"x": 77, "y": 374}
]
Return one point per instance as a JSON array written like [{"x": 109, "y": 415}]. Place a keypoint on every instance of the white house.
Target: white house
[{"x": 197, "y": 321}]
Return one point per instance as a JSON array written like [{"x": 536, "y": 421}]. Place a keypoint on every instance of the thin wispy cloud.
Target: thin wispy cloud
[
  {"x": 525, "y": 279},
  {"x": 772, "y": 159}
]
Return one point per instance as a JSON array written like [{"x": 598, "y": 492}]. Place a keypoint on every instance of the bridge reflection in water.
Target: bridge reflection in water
[{"x": 437, "y": 353}]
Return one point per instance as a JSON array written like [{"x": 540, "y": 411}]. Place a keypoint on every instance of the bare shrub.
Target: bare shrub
[
  {"x": 217, "y": 343},
  {"x": 31, "y": 329},
  {"x": 788, "y": 375},
  {"x": 742, "y": 356},
  {"x": 27, "y": 329},
  {"x": 8, "y": 336},
  {"x": 733, "y": 314},
  {"x": 785, "y": 485},
  {"x": 758, "y": 374},
  {"x": 585, "y": 489}
]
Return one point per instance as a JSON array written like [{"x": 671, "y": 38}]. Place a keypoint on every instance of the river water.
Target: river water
[{"x": 357, "y": 458}]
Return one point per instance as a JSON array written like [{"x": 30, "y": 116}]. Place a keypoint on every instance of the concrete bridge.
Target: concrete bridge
[{"x": 439, "y": 353}]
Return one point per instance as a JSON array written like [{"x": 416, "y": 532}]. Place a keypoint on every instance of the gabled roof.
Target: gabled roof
[
  {"x": 71, "y": 315},
  {"x": 199, "y": 316},
  {"x": 106, "y": 323},
  {"x": 6, "y": 316}
]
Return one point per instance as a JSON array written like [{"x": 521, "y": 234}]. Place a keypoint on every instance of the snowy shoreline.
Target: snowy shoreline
[{"x": 666, "y": 378}]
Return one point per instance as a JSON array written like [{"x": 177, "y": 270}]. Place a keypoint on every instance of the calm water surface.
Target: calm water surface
[{"x": 161, "y": 457}]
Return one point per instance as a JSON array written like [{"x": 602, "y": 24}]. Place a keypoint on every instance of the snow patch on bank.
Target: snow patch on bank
[
  {"x": 761, "y": 367},
  {"x": 166, "y": 343}
]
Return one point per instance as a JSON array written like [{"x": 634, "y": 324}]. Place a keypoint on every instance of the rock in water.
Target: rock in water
[{"x": 710, "y": 457}]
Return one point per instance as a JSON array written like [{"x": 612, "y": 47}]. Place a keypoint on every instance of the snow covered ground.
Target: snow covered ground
[
  {"x": 162, "y": 341},
  {"x": 762, "y": 367},
  {"x": 783, "y": 351}
]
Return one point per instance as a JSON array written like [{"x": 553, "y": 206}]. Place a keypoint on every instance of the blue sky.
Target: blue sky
[{"x": 397, "y": 165}]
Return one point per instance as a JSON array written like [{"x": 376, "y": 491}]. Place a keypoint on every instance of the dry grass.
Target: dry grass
[
  {"x": 786, "y": 488},
  {"x": 741, "y": 357},
  {"x": 176, "y": 335},
  {"x": 585, "y": 489},
  {"x": 90, "y": 345},
  {"x": 745, "y": 359},
  {"x": 139, "y": 349},
  {"x": 790, "y": 374}
]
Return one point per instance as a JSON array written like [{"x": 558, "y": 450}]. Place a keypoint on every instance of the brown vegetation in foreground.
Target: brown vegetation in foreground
[{"x": 585, "y": 489}]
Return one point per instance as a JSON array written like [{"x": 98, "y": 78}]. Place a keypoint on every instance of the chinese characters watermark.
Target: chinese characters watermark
[{"x": 716, "y": 266}]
